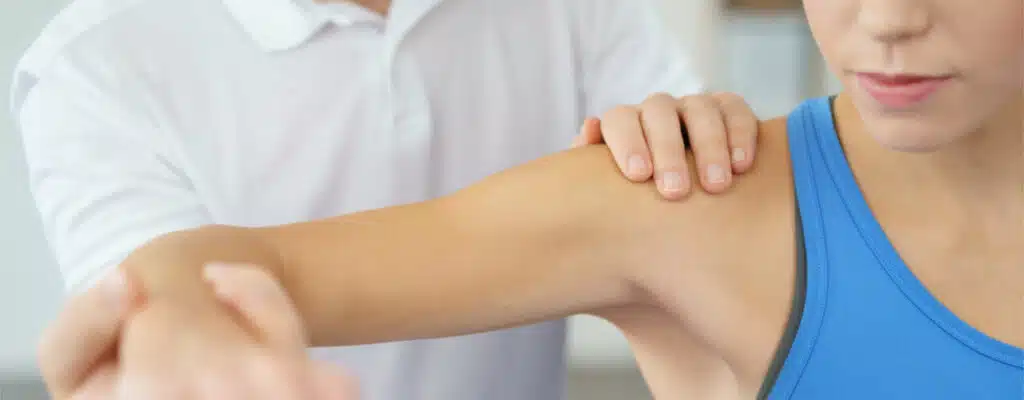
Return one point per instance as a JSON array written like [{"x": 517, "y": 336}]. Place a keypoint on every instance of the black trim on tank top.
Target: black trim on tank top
[{"x": 799, "y": 297}]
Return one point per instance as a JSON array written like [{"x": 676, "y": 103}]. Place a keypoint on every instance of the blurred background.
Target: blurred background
[{"x": 736, "y": 45}]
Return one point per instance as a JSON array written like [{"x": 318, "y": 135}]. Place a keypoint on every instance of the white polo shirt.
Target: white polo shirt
[{"x": 142, "y": 117}]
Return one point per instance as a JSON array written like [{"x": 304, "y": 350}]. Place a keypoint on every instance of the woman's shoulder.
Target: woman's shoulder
[
  {"x": 589, "y": 176},
  {"x": 760, "y": 193},
  {"x": 726, "y": 263},
  {"x": 583, "y": 189}
]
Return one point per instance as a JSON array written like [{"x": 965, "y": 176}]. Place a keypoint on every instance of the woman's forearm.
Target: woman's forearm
[{"x": 538, "y": 242}]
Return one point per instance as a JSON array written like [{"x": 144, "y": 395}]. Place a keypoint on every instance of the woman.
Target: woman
[{"x": 882, "y": 243}]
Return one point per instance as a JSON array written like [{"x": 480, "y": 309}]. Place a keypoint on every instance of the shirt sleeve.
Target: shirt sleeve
[
  {"x": 628, "y": 53},
  {"x": 103, "y": 179}
]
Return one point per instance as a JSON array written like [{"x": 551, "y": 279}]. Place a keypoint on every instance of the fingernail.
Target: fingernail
[
  {"x": 241, "y": 284},
  {"x": 672, "y": 181},
  {"x": 739, "y": 155},
  {"x": 716, "y": 174},
  {"x": 637, "y": 166},
  {"x": 216, "y": 275},
  {"x": 215, "y": 271}
]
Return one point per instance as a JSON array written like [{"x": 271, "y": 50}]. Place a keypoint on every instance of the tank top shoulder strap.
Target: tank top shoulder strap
[{"x": 805, "y": 126}]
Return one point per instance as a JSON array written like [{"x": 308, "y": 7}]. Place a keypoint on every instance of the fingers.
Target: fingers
[
  {"x": 331, "y": 383},
  {"x": 590, "y": 133},
  {"x": 722, "y": 131},
  {"x": 742, "y": 127},
  {"x": 252, "y": 350},
  {"x": 157, "y": 342},
  {"x": 709, "y": 139},
  {"x": 275, "y": 377},
  {"x": 226, "y": 382},
  {"x": 258, "y": 375},
  {"x": 257, "y": 297},
  {"x": 261, "y": 301},
  {"x": 100, "y": 385},
  {"x": 171, "y": 351},
  {"x": 625, "y": 138},
  {"x": 663, "y": 131},
  {"x": 85, "y": 330}
]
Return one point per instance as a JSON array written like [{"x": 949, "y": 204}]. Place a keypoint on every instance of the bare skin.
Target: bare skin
[
  {"x": 702, "y": 289},
  {"x": 726, "y": 319},
  {"x": 96, "y": 368},
  {"x": 668, "y": 274},
  {"x": 711, "y": 326}
]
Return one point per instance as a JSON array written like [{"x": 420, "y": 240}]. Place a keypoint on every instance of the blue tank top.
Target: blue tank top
[{"x": 869, "y": 329}]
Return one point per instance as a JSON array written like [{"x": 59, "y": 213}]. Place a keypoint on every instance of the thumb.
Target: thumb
[
  {"x": 86, "y": 329},
  {"x": 261, "y": 301}
]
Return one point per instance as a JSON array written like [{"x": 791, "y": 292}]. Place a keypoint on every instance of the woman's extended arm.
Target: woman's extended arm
[
  {"x": 544, "y": 240},
  {"x": 536, "y": 242}
]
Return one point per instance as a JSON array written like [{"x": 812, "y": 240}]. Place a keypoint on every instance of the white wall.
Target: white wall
[{"x": 29, "y": 282}]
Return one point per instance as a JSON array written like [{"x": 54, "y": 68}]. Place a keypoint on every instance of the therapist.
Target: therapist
[{"x": 145, "y": 117}]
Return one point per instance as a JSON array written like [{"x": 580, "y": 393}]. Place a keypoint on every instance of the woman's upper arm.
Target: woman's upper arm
[
  {"x": 561, "y": 235},
  {"x": 530, "y": 244},
  {"x": 620, "y": 238}
]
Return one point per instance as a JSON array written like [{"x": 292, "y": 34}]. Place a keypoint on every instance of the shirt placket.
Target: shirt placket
[{"x": 411, "y": 126}]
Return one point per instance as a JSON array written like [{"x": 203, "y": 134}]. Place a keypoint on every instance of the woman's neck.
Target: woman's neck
[{"x": 979, "y": 176}]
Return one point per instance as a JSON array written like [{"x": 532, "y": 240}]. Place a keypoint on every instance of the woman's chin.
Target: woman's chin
[{"x": 911, "y": 136}]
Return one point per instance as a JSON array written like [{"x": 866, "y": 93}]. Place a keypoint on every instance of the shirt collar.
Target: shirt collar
[
  {"x": 274, "y": 24},
  {"x": 278, "y": 25}
]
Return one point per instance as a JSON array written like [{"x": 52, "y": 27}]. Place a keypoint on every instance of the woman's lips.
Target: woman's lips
[{"x": 900, "y": 91}]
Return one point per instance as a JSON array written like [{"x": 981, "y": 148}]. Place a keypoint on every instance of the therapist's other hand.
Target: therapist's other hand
[
  {"x": 647, "y": 140},
  {"x": 163, "y": 355},
  {"x": 252, "y": 349},
  {"x": 78, "y": 351}
]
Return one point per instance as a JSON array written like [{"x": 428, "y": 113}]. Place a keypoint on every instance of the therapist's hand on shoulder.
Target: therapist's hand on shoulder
[
  {"x": 647, "y": 140},
  {"x": 83, "y": 353}
]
